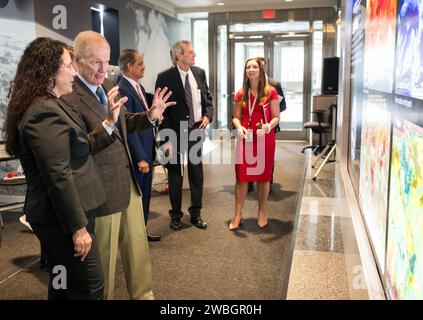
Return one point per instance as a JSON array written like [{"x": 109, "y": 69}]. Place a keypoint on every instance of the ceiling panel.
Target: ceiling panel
[{"x": 189, "y": 6}]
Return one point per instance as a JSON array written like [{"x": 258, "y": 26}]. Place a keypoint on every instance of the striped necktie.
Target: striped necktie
[
  {"x": 103, "y": 98},
  {"x": 188, "y": 96}
]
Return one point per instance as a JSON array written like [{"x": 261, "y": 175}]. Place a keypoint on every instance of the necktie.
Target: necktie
[
  {"x": 139, "y": 91},
  {"x": 103, "y": 98},
  {"x": 188, "y": 97}
]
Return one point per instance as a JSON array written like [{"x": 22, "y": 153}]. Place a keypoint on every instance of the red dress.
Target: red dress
[{"x": 255, "y": 157}]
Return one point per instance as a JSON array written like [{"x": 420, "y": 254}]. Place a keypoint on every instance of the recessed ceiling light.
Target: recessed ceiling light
[
  {"x": 220, "y": 3},
  {"x": 288, "y": 0}
]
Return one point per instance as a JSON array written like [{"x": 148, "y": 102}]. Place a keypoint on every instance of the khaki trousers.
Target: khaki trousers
[{"x": 126, "y": 229}]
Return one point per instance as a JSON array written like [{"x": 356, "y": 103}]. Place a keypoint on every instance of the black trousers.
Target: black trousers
[
  {"x": 196, "y": 181},
  {"x": 83, "y": 280}
]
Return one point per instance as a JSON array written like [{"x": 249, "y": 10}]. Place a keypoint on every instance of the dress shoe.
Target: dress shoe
[
  {"x": 176, "y": 224},
  {"x": 198, "y": 222},
  {"x": 153, "y": 237},
  {"x": 262, "y": 223},
  {"x": 262, "y": 226},
  {"x": 233, "y": 226}
]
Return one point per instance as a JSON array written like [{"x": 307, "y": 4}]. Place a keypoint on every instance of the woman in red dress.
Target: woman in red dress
[{"x": 256, "y": 114}]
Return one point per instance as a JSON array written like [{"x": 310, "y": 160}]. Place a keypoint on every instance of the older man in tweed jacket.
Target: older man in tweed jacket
[{"x": 119, "y": 222}]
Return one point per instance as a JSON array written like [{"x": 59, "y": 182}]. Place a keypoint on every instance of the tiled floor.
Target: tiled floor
[{"x": 326, "y": 263}]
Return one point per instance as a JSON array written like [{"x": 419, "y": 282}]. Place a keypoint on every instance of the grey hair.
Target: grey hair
[{"x": 178, "y": 48}]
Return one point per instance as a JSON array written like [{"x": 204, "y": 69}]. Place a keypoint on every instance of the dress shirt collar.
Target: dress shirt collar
[
  {"x": 93, "y": 88},
  {"x": 184, "y": 73},
  {"x": 134, "y": 83}
]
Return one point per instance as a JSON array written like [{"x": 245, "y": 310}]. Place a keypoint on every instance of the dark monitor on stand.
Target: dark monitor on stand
[{"x": 330, "y": 75}]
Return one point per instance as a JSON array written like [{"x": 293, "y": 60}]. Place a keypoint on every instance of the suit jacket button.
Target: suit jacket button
[{"x": 128, "y": 166}]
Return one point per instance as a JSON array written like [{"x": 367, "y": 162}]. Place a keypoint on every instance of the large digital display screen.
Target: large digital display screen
[
  {"x": 374, "y": 172},
  {"x": 404, "y": 267},
  {"x": 386, "y": 134},
  {"x": 409, "y": 59},
  {"x": 380, "y": 45}
]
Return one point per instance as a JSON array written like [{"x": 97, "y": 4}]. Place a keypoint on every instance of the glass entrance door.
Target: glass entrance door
[
  {"x": 287, "y": 63},
  {"x": 241, "y": 50}
]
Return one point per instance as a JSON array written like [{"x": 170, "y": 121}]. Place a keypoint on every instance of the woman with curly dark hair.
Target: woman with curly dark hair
[{"x": 55, "y": 151}]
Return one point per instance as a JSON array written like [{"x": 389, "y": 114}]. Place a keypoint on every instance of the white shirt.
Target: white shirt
[
  {"x": 195, "y": 90},
  {"x": 138, "y": 90},
  {"x": 93, "y": 89}
]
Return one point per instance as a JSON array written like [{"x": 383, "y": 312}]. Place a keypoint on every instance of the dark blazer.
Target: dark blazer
[
  {"x": 278, "y": 87},
  {"x": 55, "y": 152},
  {"x": 175, "y": 114},
  {"x": 282, "y": 103},
  {"x": 114, "y": 163}
]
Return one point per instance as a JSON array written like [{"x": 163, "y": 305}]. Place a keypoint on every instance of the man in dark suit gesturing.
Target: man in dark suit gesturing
[
  {"x": 118, "y": 222},
  {"x": 141, "y": 144},
  {"x": 193, "y": 112}
]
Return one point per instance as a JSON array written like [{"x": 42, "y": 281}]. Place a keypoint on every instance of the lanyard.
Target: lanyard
[{"x": 250, "y": 108}]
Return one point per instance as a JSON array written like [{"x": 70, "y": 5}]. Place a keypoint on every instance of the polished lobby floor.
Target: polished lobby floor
[
  {"x": 326, "y": 263},
  {"x": 308, "y": 251}
]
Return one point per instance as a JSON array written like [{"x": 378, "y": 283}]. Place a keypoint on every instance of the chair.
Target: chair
[{"x": 317, "y": 127}]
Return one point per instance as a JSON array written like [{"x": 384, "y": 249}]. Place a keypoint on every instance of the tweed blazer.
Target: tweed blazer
[
  {"x": 114, "y": 163},
  {"x": 55, "y": 153}
]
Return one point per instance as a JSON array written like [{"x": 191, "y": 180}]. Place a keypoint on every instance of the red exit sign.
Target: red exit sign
[{"x": 268, "y": 14}]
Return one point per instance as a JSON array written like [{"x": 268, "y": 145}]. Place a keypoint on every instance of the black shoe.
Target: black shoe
[
  {"x": 153, "y": 237},
  {"x": 198, "y": 222},
  {"x": 250, "y": 186},
  {"x": 176, "y": 224}
]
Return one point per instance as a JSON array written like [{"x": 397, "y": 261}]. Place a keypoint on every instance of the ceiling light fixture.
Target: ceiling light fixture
[{"x": 220, "y": 3}]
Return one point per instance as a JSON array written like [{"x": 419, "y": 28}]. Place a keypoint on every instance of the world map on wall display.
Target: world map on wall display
[
  {"x": 357, "y": 58},
  {"x": 380, "y": 45},
  {"x": 374, "y": 173},
  {"x": 390, "y": 183},
  {"x": 409, "y": 54},
  {"x": 404, "y": 268}
]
